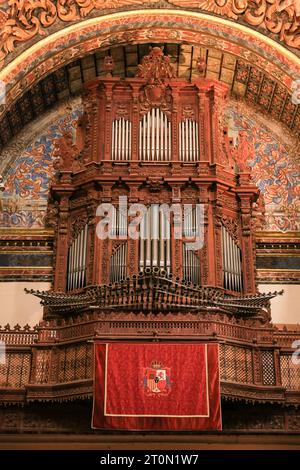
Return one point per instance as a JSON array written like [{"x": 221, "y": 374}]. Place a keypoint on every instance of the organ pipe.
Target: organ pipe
[
  {"x": 232, "y": 265},
  {"x": 121, "y": 139},
  {"x": 155, "y": 246},
  {"x": 155, "y": 136},
  {"x": 191, "y": 265},
  {"x": 118, "y": 264},
  {"x": 76, "y": 275},
  {"x": 188, "y": 141}
]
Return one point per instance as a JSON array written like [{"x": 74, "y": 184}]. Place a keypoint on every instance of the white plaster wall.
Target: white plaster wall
[
  {"x": 18, "y": 307},
  {"x": 284, "y": 308}
]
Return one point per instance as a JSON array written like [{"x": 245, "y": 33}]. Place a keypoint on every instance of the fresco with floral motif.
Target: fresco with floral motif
[
  {"x": 275, "y": 174},
  {"x": 24, "y": 200},
  {"x": 27, "y": 181}
]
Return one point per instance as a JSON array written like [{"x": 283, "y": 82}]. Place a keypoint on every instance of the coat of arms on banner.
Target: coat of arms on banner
[{"x": 157, "y": 379}]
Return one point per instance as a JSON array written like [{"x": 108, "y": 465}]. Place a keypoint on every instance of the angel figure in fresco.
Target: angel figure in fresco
[
  {"x": 245, "y": 152},
  {"x": 66, "y": 153}
]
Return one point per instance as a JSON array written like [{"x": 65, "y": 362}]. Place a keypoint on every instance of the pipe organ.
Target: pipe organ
[
  {"x": 77, "y": 255},
  {"x": 155, "y": 139},
  {"x": 121, "y": 139},
  {"x": 232, "y": 262},
  {"x": 118, "y": 222},
  {"x": 191, "y": 265},
  {"x": 118, "y": 264},
  {"x": 158, "y": 141},
  {"x": 191, "y": 222},
  {"x": 188, "y": 141},
  {"x": 155, "y": 239}
]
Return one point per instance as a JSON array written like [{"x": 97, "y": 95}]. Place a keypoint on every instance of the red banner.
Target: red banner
[{"x": 153, "y": 386}]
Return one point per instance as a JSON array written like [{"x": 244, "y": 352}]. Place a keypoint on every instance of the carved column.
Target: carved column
[
  {"x": 132, "y": 245},
  {"x": 201, "y": 127},
  {"x": 218, "y": 239},
  {"x": 108, "y": 120},
  {"x": 203, "y": 253},
  {"x": 247, "y": 243},
  {"x": 91, "y": 150},
  {"x": 217, "y": 97},
  {"x": 277, "y": 367},
  {"x": 257, "y": 366},
  {"x": 62, "y": 244},
  {"x": 93, "y": 200},
  {"x": 205, "y": 123},
  {"x": 174, "y": 124},
  {"x": 103, "y": 248},
  {"x": 135, "y": 122},
  {"x": 176, "y": 243}
]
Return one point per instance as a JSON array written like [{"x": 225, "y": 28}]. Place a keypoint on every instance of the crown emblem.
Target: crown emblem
[{"x": 156, "y": 365}]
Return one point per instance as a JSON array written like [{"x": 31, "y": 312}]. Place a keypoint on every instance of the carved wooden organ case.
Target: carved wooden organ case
[{"x": 153, "y": 140}]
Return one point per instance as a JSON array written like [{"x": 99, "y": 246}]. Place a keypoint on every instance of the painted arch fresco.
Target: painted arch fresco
[
  {"x": 276, "y": 175},
  {"x": 38, "y": 37}
]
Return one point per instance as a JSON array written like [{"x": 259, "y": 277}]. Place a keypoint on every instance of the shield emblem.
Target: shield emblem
[{"x": 157, "y": 380}]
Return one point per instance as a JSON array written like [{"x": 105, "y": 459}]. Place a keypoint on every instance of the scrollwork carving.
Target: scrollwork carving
[
  {"x": 24, "y": 20},
  {"x": 77, "y": 225},
  {"x": 276, "y": 16},
  {"x": 29, "y": 18},
  {"x": 232, "y": 228}
]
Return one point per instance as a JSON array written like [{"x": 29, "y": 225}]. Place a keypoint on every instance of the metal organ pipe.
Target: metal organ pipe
[
  {"x": 232, "y": 267},
  {"x": 118, "y": 263},
  {"x": 84, "y": 255},
  {"x": 76, "y": 276},
  {"x": 162, "y": 239},
  {"x": 155, "y": 233},
  {"x": 118, "y": 260},
  {"x": 168, "y": 245},
  {"x": 69, "y": 267},
  {"x": 155, "y": 136},
  {"x": 188, "y": 141},
  {"x": 148, "y": 239},
  {"x": 121, "y": 139},
  {"x": 166, "y": 136},
  {"x": 80, "y": 251},
  {"x": 155, "y": 248},
  {"x": 126, "y": 140},
  {"x": 142, "y": 241},
  {"x": 191, "y": 265},
  {"x": 75, "y": 263}
]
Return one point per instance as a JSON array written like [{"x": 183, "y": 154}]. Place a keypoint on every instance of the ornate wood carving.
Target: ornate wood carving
[
  {"x": 77, "y": 225},
  {"x": 66, "y": 153},
  {"x": 156, "y": 70},
  {"x": 26, "y": 20},
  {"x": 182, "y": 311}
]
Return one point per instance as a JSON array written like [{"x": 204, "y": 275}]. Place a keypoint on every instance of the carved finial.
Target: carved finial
[
  {"x": 201, "y": 67},
  {"x": 108, "y": 65},
  {"x": 155, "y": 67}
]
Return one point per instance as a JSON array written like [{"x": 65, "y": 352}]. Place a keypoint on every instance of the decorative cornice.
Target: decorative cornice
[
  {"x": 23, "y": 21},
  {"x": 273, "y": 16}
]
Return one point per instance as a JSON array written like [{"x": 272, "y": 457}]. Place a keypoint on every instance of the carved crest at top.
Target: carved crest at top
[{"x": 156, "y": 69}]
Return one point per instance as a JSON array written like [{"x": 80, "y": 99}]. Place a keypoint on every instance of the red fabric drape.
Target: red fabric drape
[{"x": 156, "y": 386}]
